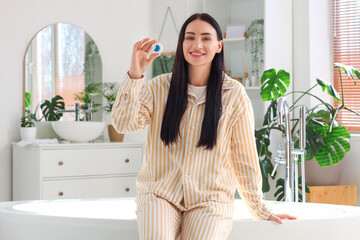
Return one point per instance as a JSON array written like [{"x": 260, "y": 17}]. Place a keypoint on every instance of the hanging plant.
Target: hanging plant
[
  {"x": 255, "y": 38},
  {"x": 91, "y": 52}
]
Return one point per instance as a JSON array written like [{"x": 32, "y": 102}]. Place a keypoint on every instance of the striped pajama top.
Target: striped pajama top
[{"x": 183, "y": 171}]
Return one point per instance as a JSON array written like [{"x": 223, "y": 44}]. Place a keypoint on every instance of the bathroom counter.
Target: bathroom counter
[{"x": 76, "y": 170}]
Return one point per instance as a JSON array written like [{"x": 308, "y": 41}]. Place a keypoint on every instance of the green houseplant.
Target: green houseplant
[
  {"x": 28, "y": 129},
  {"x": 90, "y": 95},
  {"x": 255, "y": 38},
  {"x": 327, "y": 141},
  {"x": 109, "y": 92}
]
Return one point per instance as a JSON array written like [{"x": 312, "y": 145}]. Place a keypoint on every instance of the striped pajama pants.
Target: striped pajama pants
[{"x": 159, "y": 219}]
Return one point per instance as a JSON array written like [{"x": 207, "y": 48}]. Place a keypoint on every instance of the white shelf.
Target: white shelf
[
  {"x": 234, "y": 39},
  {"x": 252, "y": 88}
]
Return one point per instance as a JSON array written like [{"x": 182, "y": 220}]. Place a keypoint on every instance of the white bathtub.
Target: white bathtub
[{"x": 114, "y": 219}]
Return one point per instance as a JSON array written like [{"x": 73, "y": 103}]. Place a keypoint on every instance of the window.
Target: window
[{"x": 346, "y": 50}]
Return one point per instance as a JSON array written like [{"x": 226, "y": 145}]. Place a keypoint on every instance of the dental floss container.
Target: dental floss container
[{"x": 156, "y": 48}]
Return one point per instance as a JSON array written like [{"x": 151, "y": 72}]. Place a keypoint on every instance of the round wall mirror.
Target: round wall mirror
[{"x": 62, "y": 60}]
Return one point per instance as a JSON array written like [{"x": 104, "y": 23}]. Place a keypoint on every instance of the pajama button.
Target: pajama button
[{"x": 187, "y": 176}]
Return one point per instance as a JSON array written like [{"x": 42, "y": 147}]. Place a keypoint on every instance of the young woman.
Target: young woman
[{"x": 200, "y": 144}]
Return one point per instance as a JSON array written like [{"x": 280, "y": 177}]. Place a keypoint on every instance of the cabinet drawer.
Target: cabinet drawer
[
  {"x": 84, "y": 162},
  {"x": 89, "y": 188}
]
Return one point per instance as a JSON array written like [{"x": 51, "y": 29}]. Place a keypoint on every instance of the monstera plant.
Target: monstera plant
[
  {"x": 50, "y": 108},
  {"x": 327, "y": 141}
]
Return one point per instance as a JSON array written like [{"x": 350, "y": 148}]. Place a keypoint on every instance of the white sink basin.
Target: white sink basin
[{"x": 78, "y": 131}]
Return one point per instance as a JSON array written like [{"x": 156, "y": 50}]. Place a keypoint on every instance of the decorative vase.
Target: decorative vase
[
  {"x": 246, "y": 80},
  {"x": 114, "y": 136},
  {"x": 254, "y": 81},
  {"x": 28, "y": 133}
]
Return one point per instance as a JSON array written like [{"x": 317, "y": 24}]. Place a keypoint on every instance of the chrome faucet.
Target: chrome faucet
[
  {"x": 89, "y": 111},
  {"x": 76, "y": 111},
  {"x": 291, "y": 154}
]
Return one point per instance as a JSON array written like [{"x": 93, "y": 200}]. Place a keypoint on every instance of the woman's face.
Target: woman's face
[{"x": 201, "y": 43}]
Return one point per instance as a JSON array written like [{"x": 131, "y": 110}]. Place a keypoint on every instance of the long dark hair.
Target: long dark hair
[{"x": 178, "y": 98}]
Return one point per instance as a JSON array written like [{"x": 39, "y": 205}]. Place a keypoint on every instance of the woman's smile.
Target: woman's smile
[{"x": 196, "y": 54}]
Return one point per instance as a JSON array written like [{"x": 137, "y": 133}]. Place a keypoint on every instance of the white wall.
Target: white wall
[
  {"x": 312, "y": 47},
  {"x": 114, "y": 25}
]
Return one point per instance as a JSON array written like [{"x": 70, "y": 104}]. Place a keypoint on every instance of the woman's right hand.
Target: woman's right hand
[{"x": 139, "y": 60}]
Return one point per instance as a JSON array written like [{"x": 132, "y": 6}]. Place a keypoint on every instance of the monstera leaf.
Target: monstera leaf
[
  {"x": 49, "y": 108},
  {"x": 262, "y": 144},
  {"x": 314, "y": 141},
  {"x": 336, "y": 144},
  {"x": 266, "y": 168},
  {"x": 270, "y": 113},
  {"x": 27, "y": 99},
  {"x": 262, "y": 141},
  {"x": 349, "y": 71},
  {"x": 330, "y": 88},
  {"x": 274, "y": 85}
]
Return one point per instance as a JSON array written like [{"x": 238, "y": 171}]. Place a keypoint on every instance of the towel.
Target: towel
[
  {"x": 163, "y": 64},
  {"x": 24, "y": 143}
]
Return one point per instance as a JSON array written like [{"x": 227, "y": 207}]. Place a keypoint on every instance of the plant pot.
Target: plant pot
[
  {"x": 114, "y": 136},
  {"x": 28, "y": 133}
]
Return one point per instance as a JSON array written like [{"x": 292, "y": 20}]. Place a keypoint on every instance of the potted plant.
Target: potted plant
[
  {"x": 89, "y": 95},
  {"x": 327, "y": 141},
  {"x": 109, "y": 92},
  {"x": 49, "y": 114},
  {"x": 28, "y": 129},
  {"x": 255, "y": 38}
]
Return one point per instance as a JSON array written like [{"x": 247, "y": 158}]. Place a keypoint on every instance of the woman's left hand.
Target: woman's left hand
[{"x": 278, "y": 217}]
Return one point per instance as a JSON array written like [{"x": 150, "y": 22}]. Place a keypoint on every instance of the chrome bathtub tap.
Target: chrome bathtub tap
[{"x": 289, "y": 156}]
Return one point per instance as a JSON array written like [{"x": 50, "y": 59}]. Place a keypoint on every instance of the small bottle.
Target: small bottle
[
  {"x": 254, "y": 81},
  {"x": 246, "y": 80}
]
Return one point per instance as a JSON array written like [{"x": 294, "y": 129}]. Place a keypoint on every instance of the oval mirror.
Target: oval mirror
[{"x": 62, "y": 59}]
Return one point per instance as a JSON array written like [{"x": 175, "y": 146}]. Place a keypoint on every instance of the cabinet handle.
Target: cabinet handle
[
  {"x": 127, "y": 189},
  {"x": 61, "y": 193},
  {"x": 127, "y": 160},
  {"x": 61, "y": 163}
]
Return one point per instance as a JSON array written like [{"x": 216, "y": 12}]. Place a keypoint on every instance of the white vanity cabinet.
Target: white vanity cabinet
[{"x": 82, "y": 170}]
